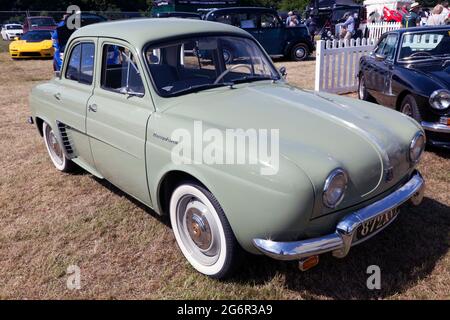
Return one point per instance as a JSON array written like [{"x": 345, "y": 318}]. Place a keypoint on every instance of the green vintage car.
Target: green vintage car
[{"x": 237, "y": 157}]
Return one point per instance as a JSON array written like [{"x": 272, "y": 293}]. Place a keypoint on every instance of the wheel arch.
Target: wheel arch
[{"x": 167, "y": 184}]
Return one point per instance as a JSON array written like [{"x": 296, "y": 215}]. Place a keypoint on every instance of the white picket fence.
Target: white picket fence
[
  {"x": 378, "y": 28},
  {"x": 337, "y": 64}
]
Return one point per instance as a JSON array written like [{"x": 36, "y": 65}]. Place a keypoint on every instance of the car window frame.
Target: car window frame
[
  {"x": 396, "y": 46},
  {"x": 138, "y": 64},
  {"x": 73, "y": 45}
]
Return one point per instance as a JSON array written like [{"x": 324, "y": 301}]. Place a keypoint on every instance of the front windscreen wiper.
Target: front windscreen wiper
[
  {"x": 200, "y": 87},
  {"x": 253, "y": 78}
]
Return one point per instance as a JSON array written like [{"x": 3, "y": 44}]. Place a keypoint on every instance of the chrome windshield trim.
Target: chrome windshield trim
[{"x": 340, "y": 242}]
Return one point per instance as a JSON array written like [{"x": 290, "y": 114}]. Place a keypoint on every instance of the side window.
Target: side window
[
  {"x": 87, "y": 63},
  {"x": 73, "y": 68},
  {"x": 247, "y": 21},
  {"x": 81, "y": 63},
  {"x": 389, "y": 48},
  {"x": 269, "y": 21},
  {"x": 120, "y": 72},
  {"x": 380, "y": 47}
]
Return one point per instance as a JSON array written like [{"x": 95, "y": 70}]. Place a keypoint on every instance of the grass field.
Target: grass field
[{"x": 50, "y": 220}]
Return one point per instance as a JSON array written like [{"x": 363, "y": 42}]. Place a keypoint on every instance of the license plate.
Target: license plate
[{"x": 379, "y": 222}]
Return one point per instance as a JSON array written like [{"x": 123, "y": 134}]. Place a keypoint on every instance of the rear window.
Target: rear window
[{"x": 42, "y": 22}]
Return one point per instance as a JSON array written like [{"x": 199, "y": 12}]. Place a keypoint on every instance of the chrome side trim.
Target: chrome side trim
[
  {"x": 340, "y": 242},
  {"x": 435, "y": 127}
]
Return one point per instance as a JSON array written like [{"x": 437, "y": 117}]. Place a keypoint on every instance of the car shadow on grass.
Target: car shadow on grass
[{"x": 406, "y": 253}]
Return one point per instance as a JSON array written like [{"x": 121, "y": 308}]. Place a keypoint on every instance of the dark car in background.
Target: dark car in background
[
  {"x": 39, "y": 23},
  {"x": 409, "y": 70},
  {"x": 268, "y": 28},
  {"x": 177, "y": 14}
]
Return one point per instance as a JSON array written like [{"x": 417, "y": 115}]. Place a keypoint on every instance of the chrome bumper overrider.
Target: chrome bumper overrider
[
  {"x": 435, "y": 127},
  {"x": 341, "y": 240}
]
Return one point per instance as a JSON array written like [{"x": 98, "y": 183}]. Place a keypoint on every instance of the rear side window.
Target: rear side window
[
  {"x": 120, "y": 72},
  {"x": 81, "y": 63}
]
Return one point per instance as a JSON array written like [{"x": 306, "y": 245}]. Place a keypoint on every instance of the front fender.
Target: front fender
[{"x": 270, "y": 207}]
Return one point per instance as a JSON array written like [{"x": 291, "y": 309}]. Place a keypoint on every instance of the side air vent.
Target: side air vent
[{"x": 65, "y": 138}]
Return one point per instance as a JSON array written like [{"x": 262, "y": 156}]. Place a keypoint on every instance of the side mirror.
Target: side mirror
[
  {"x": 283, "y": 72},
  {"x": 380, "y": 57}
]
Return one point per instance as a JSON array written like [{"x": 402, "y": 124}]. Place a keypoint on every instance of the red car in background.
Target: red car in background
[
  {"x": 394, "y": 15},
  {"x": 39, "y": 23}
]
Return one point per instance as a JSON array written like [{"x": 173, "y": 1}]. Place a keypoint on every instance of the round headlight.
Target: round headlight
[
  {"x": 440, "y": 99},
  {"x": 416, "y": 148},
  {"x": 334, "y": 189}
]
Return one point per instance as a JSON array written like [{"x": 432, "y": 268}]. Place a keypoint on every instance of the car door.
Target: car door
[
  {"x": 373, "y": 68},
  {"x": 385, "y": 70},
  {"x": 271, "y": 33},
  {"x": 73, "y": 90},
  {"x": 117, "y": 117}
]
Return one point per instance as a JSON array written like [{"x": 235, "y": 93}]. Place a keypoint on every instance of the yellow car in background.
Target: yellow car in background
[{"x": 33, "y": 44}]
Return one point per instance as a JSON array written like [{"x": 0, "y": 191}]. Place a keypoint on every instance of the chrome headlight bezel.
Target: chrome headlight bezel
[
  {"x": 415, "y": 159},
  {"x": 436, "y": 98},
  {"x": 335, "y": 174}
]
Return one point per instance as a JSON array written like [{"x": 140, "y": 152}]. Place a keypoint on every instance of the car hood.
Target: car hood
[
  {"x": 31, "y": 45},
  {"x": 435, "y": 72},
  {"x": 318, "y": 132}
]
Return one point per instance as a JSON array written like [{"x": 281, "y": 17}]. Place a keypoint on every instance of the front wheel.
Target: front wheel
[
  {"x": 410, "y": 108},
  {"x": 55, "y": 150},
  {"x": 299, "y": 52},
  {"x": 202, "y": 231},
  {"x": 362, "y": 89}
]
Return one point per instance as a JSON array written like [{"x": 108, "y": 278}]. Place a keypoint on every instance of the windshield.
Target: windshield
[
  {"x": 14, "y": 27},
  {"x": 425, "y": 45},
  {"x": 201, "y": 63},
  {"x": 36, "y": 36},
  {"x": 42, "y": 22}
]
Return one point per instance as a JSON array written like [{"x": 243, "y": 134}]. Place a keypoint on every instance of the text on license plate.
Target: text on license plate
[{"x": 375, "y": 224}]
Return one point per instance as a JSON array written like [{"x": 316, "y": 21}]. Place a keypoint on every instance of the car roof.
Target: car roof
[
  {"x": 240, "y": 9},
  {"x": 31, "y": 17},
  {"x": 139, "y": 32},
  {"x": 419, "y": 29}
]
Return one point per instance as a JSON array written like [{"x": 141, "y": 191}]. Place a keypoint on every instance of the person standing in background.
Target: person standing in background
[
  {"x": 348, "y": 27},
  {"x": 412, "y": 18},
  {"x": 436, "y": 18}
]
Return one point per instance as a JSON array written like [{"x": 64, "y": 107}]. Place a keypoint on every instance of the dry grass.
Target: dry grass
[{"x": 50, "y": 220}]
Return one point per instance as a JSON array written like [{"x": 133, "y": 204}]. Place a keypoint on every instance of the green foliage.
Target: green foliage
[{"x": 288, "y": 5}]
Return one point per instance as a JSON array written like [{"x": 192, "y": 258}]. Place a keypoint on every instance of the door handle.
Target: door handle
[
  {"x": 57, "y": 96},
  {"x": 92, "y": 107}
]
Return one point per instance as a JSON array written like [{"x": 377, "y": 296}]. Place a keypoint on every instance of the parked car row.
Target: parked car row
[{"x": 123, "y": 92}]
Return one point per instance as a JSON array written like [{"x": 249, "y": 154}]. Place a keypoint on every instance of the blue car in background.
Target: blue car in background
[
  {"x": 268, "y": 28},
  {"x": 62, "y": 34}
]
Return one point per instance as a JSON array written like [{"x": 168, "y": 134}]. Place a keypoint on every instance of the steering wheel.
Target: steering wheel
[
  {"x": 420, "y": 53},
  {"x": 223, "y": 74}
]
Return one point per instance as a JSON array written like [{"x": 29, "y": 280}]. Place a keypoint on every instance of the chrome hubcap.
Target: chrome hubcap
[
  {"x": 300, "y": 53},
  {"x": 198, "y": 230},
  {"x": 407, "y": 109},
  {"x": 55, "y": 149}
]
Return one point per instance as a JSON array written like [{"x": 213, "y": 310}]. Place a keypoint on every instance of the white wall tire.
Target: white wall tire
[
  {"x": 55, "y": 150},
  {"x": 202, "y": 231}
]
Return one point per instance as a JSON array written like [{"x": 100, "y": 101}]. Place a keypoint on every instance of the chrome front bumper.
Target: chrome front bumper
[
  {"x": 435, "y": 127},
  {"x": 341, "y": 240}
]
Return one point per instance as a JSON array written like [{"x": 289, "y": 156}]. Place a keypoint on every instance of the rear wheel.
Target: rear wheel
[
  {"x": 55, "y": 150},
  {"x": 362, "y": 89},
  {"x": 202, "y": 231},
  {"x": 410, "y": 108},
  {"x": 299, "y": 52}
]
